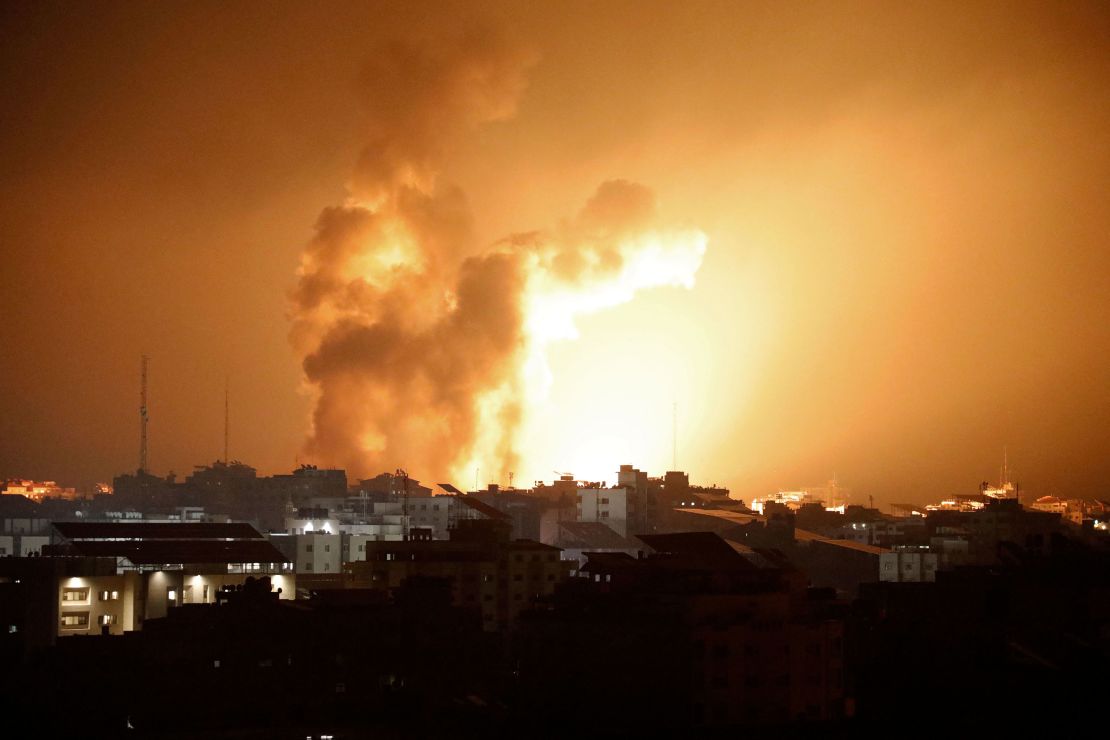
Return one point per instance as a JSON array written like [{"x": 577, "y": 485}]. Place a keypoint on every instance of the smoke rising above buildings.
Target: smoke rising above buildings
[{"x": 419, "y": 347}]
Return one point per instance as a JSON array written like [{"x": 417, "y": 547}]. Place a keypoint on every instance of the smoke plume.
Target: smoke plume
[{"x": 420, "y": 349}]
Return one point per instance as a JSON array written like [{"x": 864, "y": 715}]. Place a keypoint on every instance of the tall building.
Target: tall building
[{"x": 489, "y": 573}]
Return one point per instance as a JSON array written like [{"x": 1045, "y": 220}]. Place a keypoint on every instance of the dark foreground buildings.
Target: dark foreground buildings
[{"x": 762, "y": 628}]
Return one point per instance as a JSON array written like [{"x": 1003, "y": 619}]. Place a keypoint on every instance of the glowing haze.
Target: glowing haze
[
  {"x": 904, "y": 205},
  {"x": 419, "y": 351}
]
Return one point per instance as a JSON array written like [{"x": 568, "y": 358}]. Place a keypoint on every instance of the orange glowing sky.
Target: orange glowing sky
[{"x": 905, "y": 207}]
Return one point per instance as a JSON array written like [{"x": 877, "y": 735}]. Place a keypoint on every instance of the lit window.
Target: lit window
[
  {"x": 75, "y": 621},
  {"x": 172, "y": 594},
  {"x": 72, "y": 595},
  {"x": 107, "y": 619}
]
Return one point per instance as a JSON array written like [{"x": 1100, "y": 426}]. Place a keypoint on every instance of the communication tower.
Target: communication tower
[{"x": 143, "y": 418}]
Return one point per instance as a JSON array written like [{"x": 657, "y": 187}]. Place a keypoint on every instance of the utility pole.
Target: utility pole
[
  {"x": 143, "y": 418},
  {"x": 674, "y": 436},
  {"x": 227, "y": 416}
]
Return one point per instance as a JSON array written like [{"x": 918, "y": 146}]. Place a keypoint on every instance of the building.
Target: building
[
  {"x": 914, "y": 565},
  {"x": 110, "y": 577},
  {"x": 612, "y": 507},
  {"x": 38, "y": 490},
  {"x": 488, "y": 572},
  {"x": 577, "y": 539},
  {"x": 722, "y": 636},
  {"x": 24, "y": 531}
]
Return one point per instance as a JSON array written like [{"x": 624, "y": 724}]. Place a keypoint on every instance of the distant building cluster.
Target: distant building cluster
[
  {"x": 375, "y": 593},
  {"x": 38, "y": 490}
]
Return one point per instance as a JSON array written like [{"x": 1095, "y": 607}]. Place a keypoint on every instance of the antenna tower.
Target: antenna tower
[
  {"x": 142, "y": 418},
  {"x": 227, "y": 416}
]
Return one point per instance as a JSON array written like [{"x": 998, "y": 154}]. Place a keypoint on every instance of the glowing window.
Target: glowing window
[
  {"x": 71, "y": 595},
  {"x": 75, "y": 621}
]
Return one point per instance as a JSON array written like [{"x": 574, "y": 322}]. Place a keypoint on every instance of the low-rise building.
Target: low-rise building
[
  {"x": 914, "y": 565},
  {"x": 612, "y": 507},
  {"x": 107, "y": 578}
]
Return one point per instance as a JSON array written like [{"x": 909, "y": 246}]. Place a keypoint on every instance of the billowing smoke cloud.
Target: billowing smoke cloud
[{"x": 421, "y": 351}]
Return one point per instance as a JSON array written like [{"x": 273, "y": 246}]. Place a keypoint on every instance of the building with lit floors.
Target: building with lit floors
[
  {"x": 107, "y": 578},
  {"x": 488, "y": 572}
]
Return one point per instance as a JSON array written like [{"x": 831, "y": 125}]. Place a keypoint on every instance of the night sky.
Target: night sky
[{"x": 862, "y": 239}]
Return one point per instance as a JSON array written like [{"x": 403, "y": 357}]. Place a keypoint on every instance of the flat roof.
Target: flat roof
[
  {"x": 157, "y": 530},
  {"x": 859, "y": 546},
  {"x": 182, "y": 551}
]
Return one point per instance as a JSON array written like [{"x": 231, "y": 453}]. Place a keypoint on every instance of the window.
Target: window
[
  {"x": 308, "y": 565},
  {"x": 605, "y": 515},
  {"x": 308, "y": 548},
  {"x": 75, "y": 621},
  {"x": 604, "y": 500},
  {"x": 206, "y": 593},
  {"x": 327, "y": 548},
  {"x": 106, "y": 619},
  {"x": 172, "y": 594},
  {"x": 73, "y": 595},
  {"x": 362, "y": 548}
]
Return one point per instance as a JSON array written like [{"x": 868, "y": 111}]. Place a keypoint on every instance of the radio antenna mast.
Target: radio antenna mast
[
  {"x": 227, "y": 415},
  {"x": 143, "y": 418}
]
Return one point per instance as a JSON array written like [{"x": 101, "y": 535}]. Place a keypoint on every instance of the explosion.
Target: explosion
[{"x": 420, "y": 349}]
